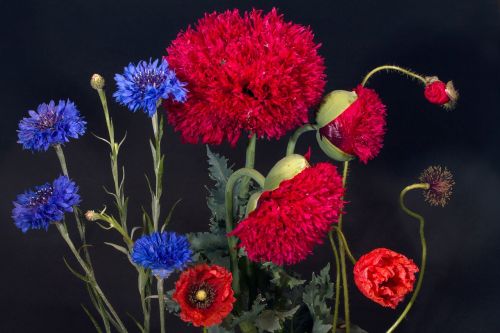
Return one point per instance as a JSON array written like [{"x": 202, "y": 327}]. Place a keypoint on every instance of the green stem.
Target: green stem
[
  {"x": 422, "y": 186},
  {"x": 346, "y": 246},
  {"x": 205, "y": 330},
  {"x": 161, "y": 304},
  {"x": 80, "y": 225},
  {"x": 249, "y": 163},
  {"x": 337, "y": 281},
  {"x": 231, "y": 241},
  {"x": 342, "y": 251},
  {"x": 143, "y": 280},
  {"x": 290, "y": 149},
  {"x": 64, "y": 233},
  {"x": 158, "y": 169},
  {"x": 393, "y": 68}
]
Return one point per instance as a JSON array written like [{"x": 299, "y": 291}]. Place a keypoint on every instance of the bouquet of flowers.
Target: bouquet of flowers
[{"x": 233, "y": 73}]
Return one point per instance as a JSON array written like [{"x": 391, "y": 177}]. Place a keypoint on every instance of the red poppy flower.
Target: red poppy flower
[
  {"x": 204, "y": 295},
  {"x": 359, "y": 129},
  {"x": 385, "y": 276},
  {"x": 291, "y": 219},
  {"x": 255, "y": 73},
  {"x": 437, "y": 92}
]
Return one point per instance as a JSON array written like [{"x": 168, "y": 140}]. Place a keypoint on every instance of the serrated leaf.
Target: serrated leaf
[
  {"x": 219, "y": 171},
  {"x": 271, "y": 320},
  {"x": 257, "y": 307},
  {"x": 171, "y": 305},
  {"x": 209, "y": 246},
  {"x": 280, "y": 277},
  {"x": 315, "y": 296}
]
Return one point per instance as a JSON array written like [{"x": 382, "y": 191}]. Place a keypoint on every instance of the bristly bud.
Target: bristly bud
[
  {"x": 441, "y": 184},
  {"x": 91, "y": 215},
  {"x": 437, "y": 92},
  {"x": 97, "y": 82}
]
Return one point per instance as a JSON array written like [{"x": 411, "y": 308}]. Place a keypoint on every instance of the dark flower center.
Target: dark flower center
[
  {"x": 41, "y": 196},
  {"x": 201, "y": 296},
  {"x": 150, "y": 77},
  {"x": 47, "y": 119}
]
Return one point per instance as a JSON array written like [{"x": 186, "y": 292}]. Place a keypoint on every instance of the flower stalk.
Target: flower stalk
[
  {"x": 231, "y": 240},
  {"x": 337, "y": 282},
  {"x": 420, "y": 186},
  {"x": 401, "y": 70},
  {"x": 91, "y": 279},
  {"x": 161, "y": 304},
  {"x": 290, "y": 149},
  {"x": 158, "y": 160}
]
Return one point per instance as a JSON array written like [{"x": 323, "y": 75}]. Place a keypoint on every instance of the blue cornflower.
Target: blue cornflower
[
  {"x": 50, "y": 125},
  {"x": 141, "y": 86},
  {"x": 163, "y": 253},
  {"x": 45, "y": 204}
]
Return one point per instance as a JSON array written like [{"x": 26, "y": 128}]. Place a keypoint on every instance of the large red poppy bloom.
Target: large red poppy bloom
[
  {"x": 385, "y": 276},
  {"x": 360, "y": 129},
  {"x": 255, "y": 73},
  {"x": 290, "y": 220},
  {"x": 204, "y": 295}
]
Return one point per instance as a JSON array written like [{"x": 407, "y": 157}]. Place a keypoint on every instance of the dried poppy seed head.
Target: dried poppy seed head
[{"x": 441, "y": 184}]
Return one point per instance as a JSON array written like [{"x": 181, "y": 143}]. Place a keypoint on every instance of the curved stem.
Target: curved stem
[
  {"x": 64, "y": 233},
  {"x": 345, "y": 287},
  {"x": 249, "y": 163},
  {"x": 231, "y": 240},
  {"x": 393, "y": 68},
  {"x": 422, "y": 186},
  {"x": 346, "y": 246},
  {"x": 290, "y": 149},
  {"x": 337, "y": 282},
  {"x": 161, "y": 304}
]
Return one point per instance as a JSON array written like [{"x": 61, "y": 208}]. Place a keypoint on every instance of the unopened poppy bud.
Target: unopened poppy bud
[
  {"x": 286, "y": 168},
  {"x": 252, "y": 202},
  {"x": 97, "y": 82},
  {"x": 437, "y": 92},
  {"x": 351, "y": 124}
]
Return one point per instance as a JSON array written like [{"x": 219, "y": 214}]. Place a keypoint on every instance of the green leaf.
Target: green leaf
[
  {"x": 257, "y": 307},
  {"x": 271, "y": 320},
  {"x": 280, "y": 277},
  {"x": 171, "y": 305},
  {"x": 169, "y": 217},
  {"x": 315, "y": 296},
  {"x": 219, "y": 171},
  {"x": 136, "y": 322},
  {"x": 75, "y": 273},
  {"x": 118, "y": 248},
  {"x": 211, "y": 247},
  {"x": 92, "y": 319}
]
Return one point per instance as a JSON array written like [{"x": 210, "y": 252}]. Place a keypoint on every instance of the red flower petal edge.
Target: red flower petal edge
[
  {"x": 435, "y": 93},
  {"x": 290, "y": 220},
  {"x": 204, "y": 295},
  {"x": 254, "y": 72},
  {"x": 360, "y": 129},
  {"x": 385, "y": 276}
]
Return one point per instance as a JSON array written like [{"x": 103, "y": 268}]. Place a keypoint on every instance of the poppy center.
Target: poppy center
[{"x": 201, "y": 296}]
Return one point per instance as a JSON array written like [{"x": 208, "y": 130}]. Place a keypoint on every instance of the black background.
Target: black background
[{"x": 49, "y": 49}]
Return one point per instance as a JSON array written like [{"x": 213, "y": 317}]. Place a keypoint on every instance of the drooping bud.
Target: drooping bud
[
  {"x": 97, "y": 82},
  {"x": 437, "y": 92},
  {"x": 252, "y": 202},
  {"x": 286, "y": 168}
]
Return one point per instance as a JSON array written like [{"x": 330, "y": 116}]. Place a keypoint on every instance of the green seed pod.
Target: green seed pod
[
  {"x": 286, "y": 168},
  {"x": 333, "y": 105}
]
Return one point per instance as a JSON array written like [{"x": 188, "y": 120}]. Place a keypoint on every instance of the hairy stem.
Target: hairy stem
[
  {"x": 422, "y": 186},
  {"x": 396, "y": 69},
  {"x": 346, "y": 246},
  {"x": 290, "y": 149}
]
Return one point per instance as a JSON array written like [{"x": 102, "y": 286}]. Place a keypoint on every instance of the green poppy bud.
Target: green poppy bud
[{"x": 286, "y": 168}]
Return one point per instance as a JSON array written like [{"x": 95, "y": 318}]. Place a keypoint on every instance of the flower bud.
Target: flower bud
[
  {"x": 286, "y": 168},
  {"x": 332, "y": 107},
  {"x": 97, "y": 82},
  {"x": 351, "y": 124},
  {"x": 252, "y": 202},
  {"x": 91, "y": 215},
  {"x": 437, "y": 92}
]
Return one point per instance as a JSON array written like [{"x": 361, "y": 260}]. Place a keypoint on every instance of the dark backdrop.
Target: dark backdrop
[{"x": 50, "y": 48}]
